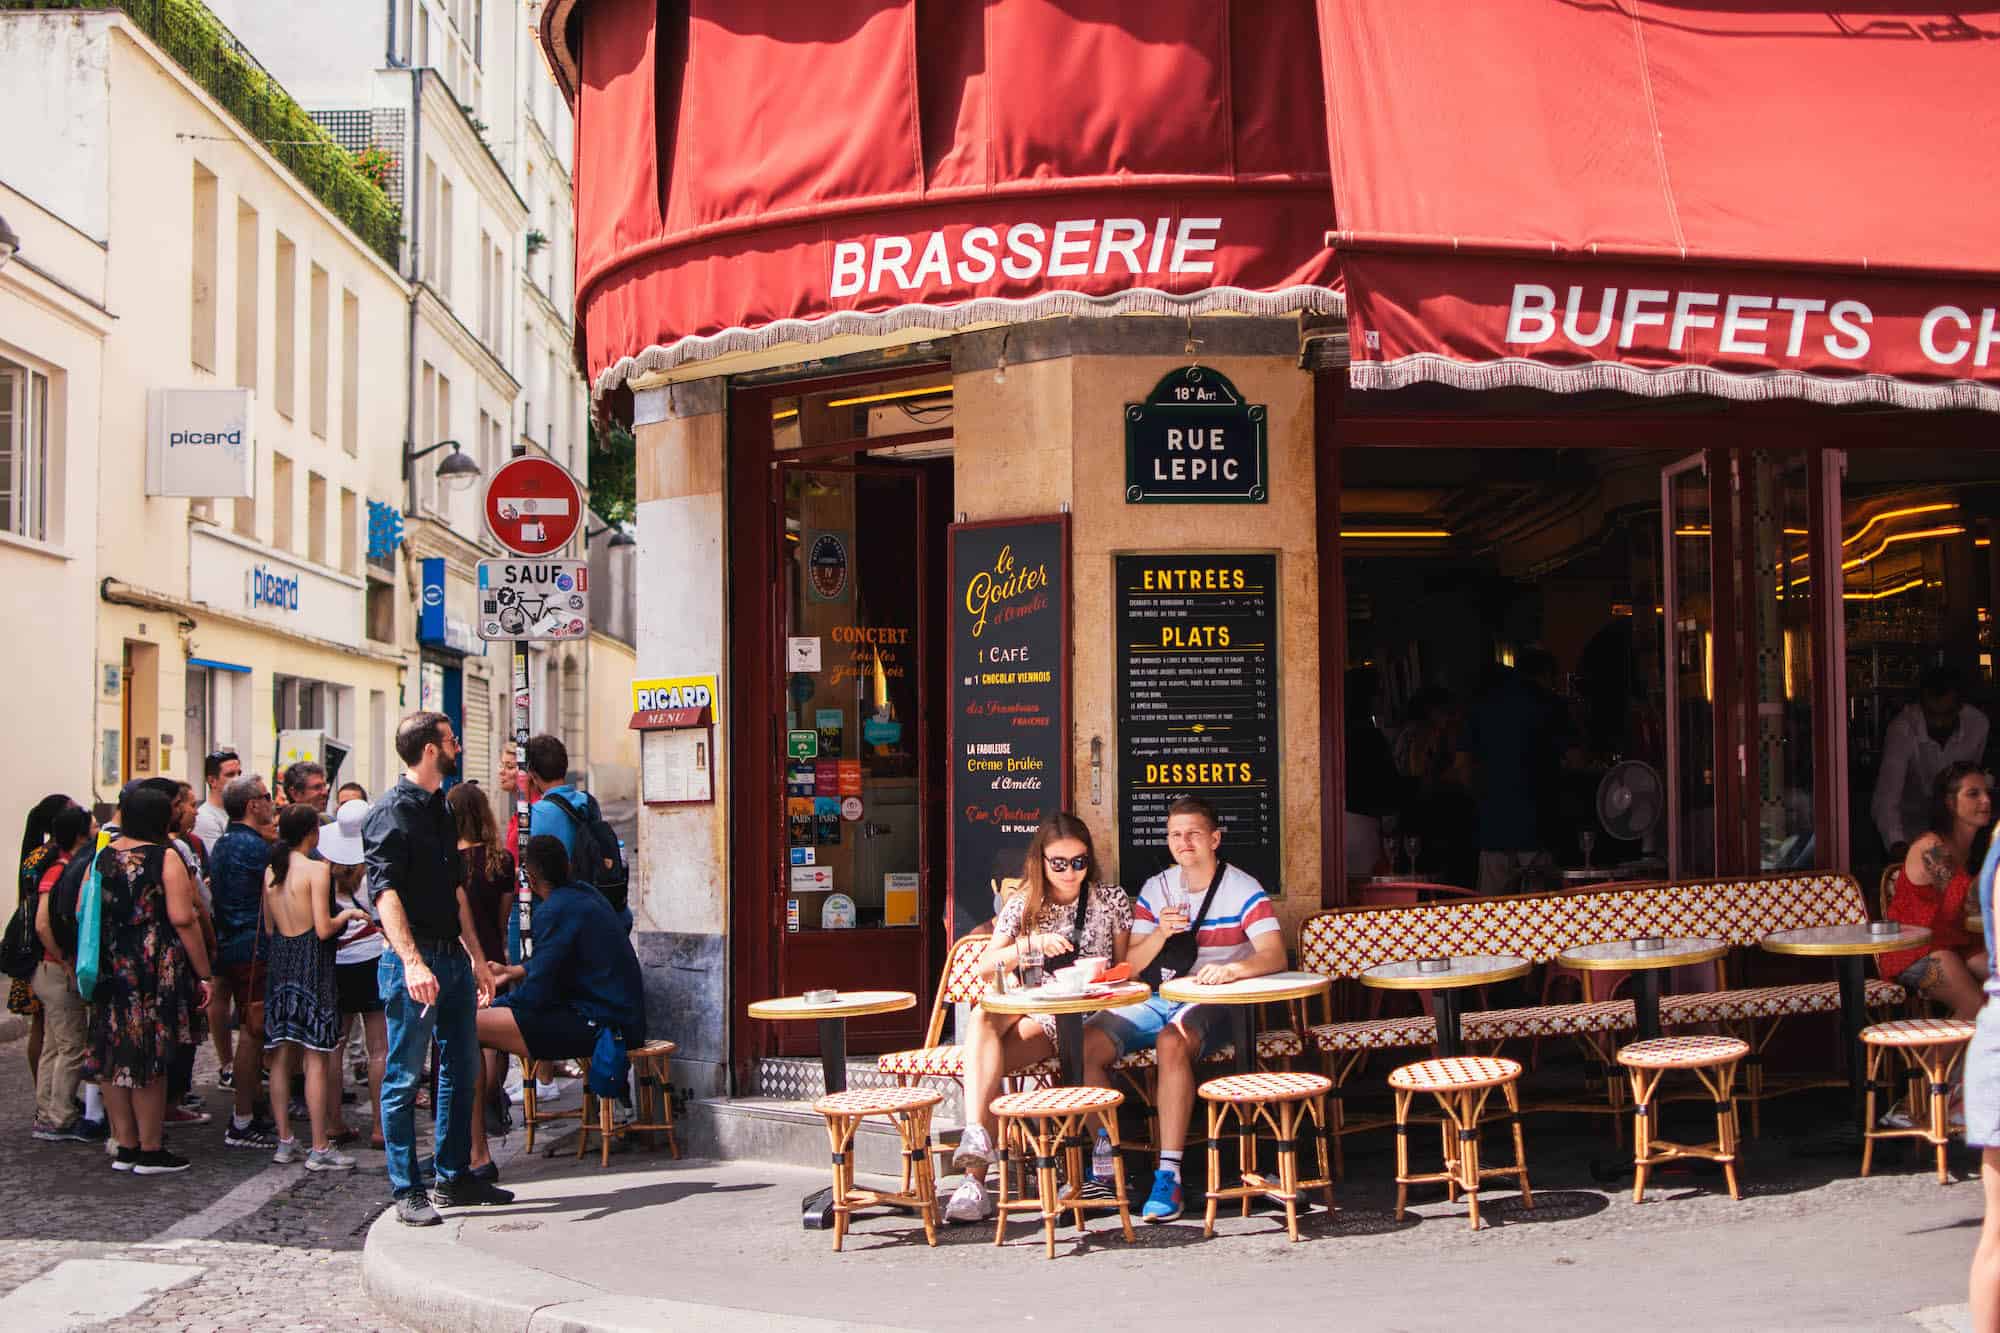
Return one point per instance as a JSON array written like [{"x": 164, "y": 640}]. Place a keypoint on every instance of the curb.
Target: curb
[{"x": 429, "y": 1279}]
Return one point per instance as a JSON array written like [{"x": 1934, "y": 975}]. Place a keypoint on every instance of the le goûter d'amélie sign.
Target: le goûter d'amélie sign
[
  {"x": 1195, "y": 441},
  {"x": 1009, "y": 701}
]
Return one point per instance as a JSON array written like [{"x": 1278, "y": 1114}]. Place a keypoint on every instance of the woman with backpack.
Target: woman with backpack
[
  {"x": 57, "y": 1118},
  {"x": 36, "y": 853},
  {"x": 152, "y": 979}
]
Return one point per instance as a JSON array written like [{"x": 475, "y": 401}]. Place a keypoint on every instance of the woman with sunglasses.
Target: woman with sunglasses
[{"x": 1061, "y": 906}]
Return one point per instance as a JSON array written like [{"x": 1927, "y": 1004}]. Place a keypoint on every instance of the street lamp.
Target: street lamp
[
  {"x": 457, "y": 470},
  {"x": 9, "y": 243}
]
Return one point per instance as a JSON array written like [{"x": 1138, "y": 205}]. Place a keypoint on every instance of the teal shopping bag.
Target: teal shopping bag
[{"x": 89, "y": 929}]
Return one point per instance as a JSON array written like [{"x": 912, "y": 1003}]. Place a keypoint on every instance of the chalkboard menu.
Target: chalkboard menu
[
  {"x": 1009, "y": 701},
  {"x": 1198, "y": 705}
]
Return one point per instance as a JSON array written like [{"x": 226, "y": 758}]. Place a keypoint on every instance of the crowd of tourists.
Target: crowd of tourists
[{"x": 294, "y": 929}]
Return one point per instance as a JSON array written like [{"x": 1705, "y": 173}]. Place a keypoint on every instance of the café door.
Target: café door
[
  {"x": 859, "y": 798},
  {"x": 1752, "y": 642}
]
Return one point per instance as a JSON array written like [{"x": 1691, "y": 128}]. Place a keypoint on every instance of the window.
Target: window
[
  {"x": 318, "y": 348},
  {"x": 549, "y": 401},
  {"x": 423, "y": 35},
  {"x": 479, "y": 33},
  {"x": 246, "y": 515},
  {"x": 381, "y": 612},
  {"x": 444, "y": 240},
  {"x": 350, "y": 373},
  {"x": 485, "y": 287},
  {"x": 429, "y": 270},
  {"x": 427, "y": 414},
  {"x": 281, "y": 502},
  {"x": 316, "y": 518},
  {"x": 202, "y": 264},
  {"x": 24, "y": 452},
  {"x": 246, "y": 296},
  {"x": 285, "y": 320},
  {"x": 350, "y": 532},
  {"x": 405, "y": 27}
]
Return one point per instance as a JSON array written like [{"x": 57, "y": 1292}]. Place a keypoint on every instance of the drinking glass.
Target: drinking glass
[
  {"x": 1029, "y": 957},
  {"x": 1392, "y": 847},
  {"x": 1587, "y": 840},
  {"x": 1415, "y": 844}
]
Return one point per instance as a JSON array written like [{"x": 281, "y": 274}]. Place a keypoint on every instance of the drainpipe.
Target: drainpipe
[{"x": 413, "y": 193}]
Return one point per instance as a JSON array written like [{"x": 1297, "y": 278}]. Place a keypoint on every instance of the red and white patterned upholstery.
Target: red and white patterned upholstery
[
  {"x": 1816, "y": 997},
  {"x": 877, "y": 1101},
  {"x": 1918, "y": 1032},
  {"x": 1375, "y": 1034},
  {"x": 1276, "y": 1044},
  {"x": 1346, "y": 943},
  {"x": 1455, "y": 1073},
  {"x": 947, "y": 1062},
  {"x": 1549, "y": 1020},
  {"x": 1269, "y": 1086},
  {"x": 1692, "y": 1051},
  {"x": 1057, "y": 1101}
]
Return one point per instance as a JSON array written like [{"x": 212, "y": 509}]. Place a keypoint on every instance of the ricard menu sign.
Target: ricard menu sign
[
  {"x": 1198, "y": 705},
  {"x": 1009, "y": 695}
]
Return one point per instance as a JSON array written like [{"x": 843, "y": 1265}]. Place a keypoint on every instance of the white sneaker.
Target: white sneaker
[
  {"x": 288, "y": 1151},
  {"x": 974, "y": 1145},
  {"x": 549, "y": 1088},
  {"x": 969, "y": 1202},
  {"x": 1896, "y": 1118},
  {"x": 328, "y": 1159}
]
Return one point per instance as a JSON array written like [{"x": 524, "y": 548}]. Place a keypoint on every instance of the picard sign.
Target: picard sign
[{"x": 1194, "y": 441}]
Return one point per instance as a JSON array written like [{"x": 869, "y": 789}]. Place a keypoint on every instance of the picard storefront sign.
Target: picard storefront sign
[
  {"x": 1194, "y": 441},
  {"x": 229, "y": 574},
  {"x": 1009, "y": 701},
  {"x": 199, "y": 443}
]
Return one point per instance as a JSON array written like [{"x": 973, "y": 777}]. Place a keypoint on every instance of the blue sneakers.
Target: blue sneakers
[{"x": 1164, "y": 1203}]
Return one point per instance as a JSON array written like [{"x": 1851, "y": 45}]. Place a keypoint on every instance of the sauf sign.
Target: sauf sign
[{"x": 199, "y": 443}]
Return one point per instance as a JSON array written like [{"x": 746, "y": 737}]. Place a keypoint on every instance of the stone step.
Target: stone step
[{"x": 776, "y": 1123}]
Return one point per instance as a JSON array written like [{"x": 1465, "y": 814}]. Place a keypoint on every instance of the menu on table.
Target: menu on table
[{"x": 1197, "y": 705}]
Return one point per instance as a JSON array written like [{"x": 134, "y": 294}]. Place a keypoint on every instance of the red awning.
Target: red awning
[
  {"x": 758, "y": 172},
  {"x": 1757, "y": 199}
]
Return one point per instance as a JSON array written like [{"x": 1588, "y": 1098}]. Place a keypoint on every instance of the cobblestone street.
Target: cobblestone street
[{"x": 232, "y": 1243}]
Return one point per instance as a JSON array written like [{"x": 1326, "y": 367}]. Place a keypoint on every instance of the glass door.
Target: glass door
[
  {"x": 1688, "y": 564},
  {"x": 1778, "y": 568},
  {"x": 853, "y": 608}
]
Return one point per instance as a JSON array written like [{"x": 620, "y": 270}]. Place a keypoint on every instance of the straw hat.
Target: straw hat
[{"x": 340, "y": 841}]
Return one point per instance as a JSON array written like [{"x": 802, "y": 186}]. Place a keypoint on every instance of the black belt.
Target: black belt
[{"x": 434, "y": 941}]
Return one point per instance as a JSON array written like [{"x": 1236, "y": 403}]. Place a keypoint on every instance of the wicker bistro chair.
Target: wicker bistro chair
[
  {"x": 909, "y": 1109},
  {"x": 1461, "y": 1084},
  {"x": 532, "y": 1113},
  {"x": 1286, "y": 1103},
  {"x": 1928, "y": 1049},
  {"x": 1711, "y": 1059},
  {"x": 1038, "y": 1127},
  {"x": 655, "y": 1110}
]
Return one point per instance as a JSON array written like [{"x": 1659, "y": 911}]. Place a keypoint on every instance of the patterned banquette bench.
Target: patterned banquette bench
[{"x": 1343, "y": 944}]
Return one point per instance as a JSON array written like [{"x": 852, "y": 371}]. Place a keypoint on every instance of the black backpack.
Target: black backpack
[
  {"x": 599, "y": 860},
  {"x": 63, "y": 899},
  {"x": 20, "y": 948}
]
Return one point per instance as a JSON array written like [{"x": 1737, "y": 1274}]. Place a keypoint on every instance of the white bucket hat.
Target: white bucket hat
[{"x": 340, "y": 841}]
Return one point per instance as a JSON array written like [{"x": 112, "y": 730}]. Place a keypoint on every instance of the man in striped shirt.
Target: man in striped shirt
[{"x": 1239, "y": 937}]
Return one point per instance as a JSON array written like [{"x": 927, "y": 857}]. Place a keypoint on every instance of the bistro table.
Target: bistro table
[
  {"x": 1245, "y": 996},
  {"x": 1850, "y": 947},
  {"x": 832, "y": 1016},
  {"x": 1645, "y": 964},
  {"x": 1446, "y": 982},
  {"x": 1068, "y": 1007}
]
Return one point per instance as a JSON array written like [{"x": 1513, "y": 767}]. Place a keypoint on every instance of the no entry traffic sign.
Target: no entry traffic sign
[{"x": 533, "y": 506}]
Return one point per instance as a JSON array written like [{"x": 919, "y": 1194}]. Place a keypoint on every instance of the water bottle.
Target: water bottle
[{"x": 1103, "y": 1159}]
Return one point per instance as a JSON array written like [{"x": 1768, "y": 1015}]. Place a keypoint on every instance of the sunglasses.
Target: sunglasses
[{"x": 1067, "y": 862}]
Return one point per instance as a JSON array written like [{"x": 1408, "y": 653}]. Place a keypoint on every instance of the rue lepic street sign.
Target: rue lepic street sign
[
  {"x": 534, "y": 601},
  {"x": 1195, "y": 441},
  {"x": 533, "y": 506}
]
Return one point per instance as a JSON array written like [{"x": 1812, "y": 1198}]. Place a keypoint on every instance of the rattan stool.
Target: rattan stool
[
  {"x": 1461, "y": 1084},
  {"x": 1038, "y": 1124},
  {"x": 532, "y": 1113},
  {"x": 1711, "y": 1059},
  {"x": 909, "y": 1109},
  {"x": 1286, "y": 1102},
  {"x": 654, "y": 1114},
  {"x": 598, "y": 1115},
  {"x": 1930, "y": 1049}
]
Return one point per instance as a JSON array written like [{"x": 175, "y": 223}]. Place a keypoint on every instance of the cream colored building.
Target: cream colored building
[{"x": 236, "y": 311}]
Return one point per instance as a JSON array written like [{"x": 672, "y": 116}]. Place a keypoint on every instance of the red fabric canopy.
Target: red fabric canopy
[
  {"x": 753, "y": 172},
  {"x": 1753, "y": 199}
]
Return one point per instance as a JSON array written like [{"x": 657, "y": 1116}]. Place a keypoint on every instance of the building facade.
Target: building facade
[
  {"x": 1225, "y": 401},
  {"x": 230, "y": 600}
]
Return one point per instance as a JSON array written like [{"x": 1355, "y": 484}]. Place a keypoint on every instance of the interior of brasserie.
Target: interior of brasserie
[{"x": 1649, "y": 612}]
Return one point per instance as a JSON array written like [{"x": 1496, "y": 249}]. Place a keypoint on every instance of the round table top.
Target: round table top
[
  {"x": 1625, "y": 956},
  {"x": 1469, "y": 970},
  {"x": 847, "y": 1004},
  {"x": 1588, "y": 875},
  {"x": 1267, "y": 989},
  {"x": 1833, "y": 941},
  {"x": 1042, "y": 1000}
]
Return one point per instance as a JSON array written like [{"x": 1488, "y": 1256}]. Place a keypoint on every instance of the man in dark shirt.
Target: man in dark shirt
[
  {"x": 432, "y": 977},
  {"x": 236, "y": 867}
]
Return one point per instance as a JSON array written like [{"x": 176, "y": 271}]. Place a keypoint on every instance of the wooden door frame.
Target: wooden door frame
[{"x": 756, "y": 829}]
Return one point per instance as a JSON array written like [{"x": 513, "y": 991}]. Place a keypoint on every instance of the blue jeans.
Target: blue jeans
[
  {"x": 453, "y": 1018},
  {"x": 1137, "y": 1027}
]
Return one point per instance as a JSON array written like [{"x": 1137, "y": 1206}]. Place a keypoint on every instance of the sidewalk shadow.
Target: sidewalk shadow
[{"x": 595, "y": 1205}]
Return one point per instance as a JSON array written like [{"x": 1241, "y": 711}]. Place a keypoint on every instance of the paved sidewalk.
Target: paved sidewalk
[{"x": 651, "y": 1243}]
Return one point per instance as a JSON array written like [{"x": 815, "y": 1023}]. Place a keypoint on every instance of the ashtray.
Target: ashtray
[
  {"x": 1885, "y": 927},
  {"x": 1434, "y": 965},
  {"x": 1650, "y": 944},
  {"x": 822, "y": 996}
]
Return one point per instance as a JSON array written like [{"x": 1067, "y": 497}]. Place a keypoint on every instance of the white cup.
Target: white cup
[
  {"x": 1071, "y": 980},
  {"x": 1092, "y": 967}
]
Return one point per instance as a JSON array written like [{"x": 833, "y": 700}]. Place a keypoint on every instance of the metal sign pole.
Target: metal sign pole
[{"x": 524, "y": 901}]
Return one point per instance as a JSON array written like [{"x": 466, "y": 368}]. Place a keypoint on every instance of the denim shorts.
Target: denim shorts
[
  {"x": 1982, "y": 1079},
  {"x": 1137, "y": 1027}
]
